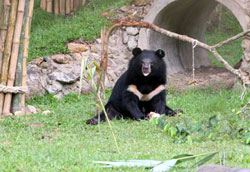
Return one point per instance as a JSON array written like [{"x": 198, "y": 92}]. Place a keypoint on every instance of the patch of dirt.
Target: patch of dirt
[{"x": 205, "y": 77}]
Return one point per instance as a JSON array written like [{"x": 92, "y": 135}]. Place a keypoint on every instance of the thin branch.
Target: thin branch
[{"x": 231, "y": 39}]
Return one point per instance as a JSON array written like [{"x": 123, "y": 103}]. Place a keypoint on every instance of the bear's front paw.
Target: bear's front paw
[{"x": 92, "y": 121}]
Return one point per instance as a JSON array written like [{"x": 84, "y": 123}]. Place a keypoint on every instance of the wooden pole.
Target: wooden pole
[
  {"x": 16, "y": 101},
  {"x": 71, "y": 5},
  {"x": 43, "y": 4},
  {"x": 7, "y": 49},
  {"x": 25, "y": 51},
  {"x": 75, "y": 4},
  {"x": 56, "y": 7},
  {"x": 62, "y": 7},
  {"x": 49, "y": 6},
  {"x": 3, "y": 29},
  {"x": 67, "y": 7},
  {"x": 14, "y": 55}
]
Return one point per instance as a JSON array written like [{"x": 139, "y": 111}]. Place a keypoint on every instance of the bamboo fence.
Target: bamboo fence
[
  {"x": 63, "y": 7},
  {"x": 14, "y": 29}
]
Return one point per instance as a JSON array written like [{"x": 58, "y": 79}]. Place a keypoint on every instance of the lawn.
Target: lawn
[
  {"x": 66, "y": 143},
  {"x": 61, "y": 141}
]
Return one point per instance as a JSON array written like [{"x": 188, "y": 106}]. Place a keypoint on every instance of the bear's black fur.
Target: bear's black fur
[{"x": 146, "y": 72}]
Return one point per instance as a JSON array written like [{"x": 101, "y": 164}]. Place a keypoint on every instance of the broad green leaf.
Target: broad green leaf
[
  {"x": 180, "y": 158},
  {"x": 165, "y": 166},
  {"x": 130, "y": 163},
  {"x": 203, "y": 161}
]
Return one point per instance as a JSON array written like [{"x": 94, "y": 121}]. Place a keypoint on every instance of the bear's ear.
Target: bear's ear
[
  {"x": 160, "y": 53},
  {"x": 136, "y": 51}
]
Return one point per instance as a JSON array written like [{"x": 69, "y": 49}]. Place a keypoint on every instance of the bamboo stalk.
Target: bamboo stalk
[
  {"x": 83, "y": 2},
  {"x": 16, "y": 102},
  {"x": 49, "y": 6},
  {"x": 56, "y": 7},
  {"x": 43, "y": 4},
  {"x": 1, "y": 11},
  {"x": 25, "y": 50},
  {"x": 7, "y": 49},
  {"x": 62, "y": 7},
  {"x": 14, "y": 55},
  {"x": 75, "y": 4},
  {"x": 67, "y": 7},
  {"x": 3, "y": 29}
]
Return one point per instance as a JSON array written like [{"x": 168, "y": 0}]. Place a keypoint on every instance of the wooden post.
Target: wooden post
[
  {"x": 43, "y": 4},
  {"x": 7, "y": 49},
  {"x": 75, "y": 4},
  {"x": 56, "y": 7},
  {"x": 71, "y": 5},
  {"x": 62, "y": 7},
  {"x": 49, "y": 6},
  {"x": 67, "y": 7}
]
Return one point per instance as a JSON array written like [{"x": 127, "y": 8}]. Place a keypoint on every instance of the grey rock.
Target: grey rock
[
  {"x": 64, "y": 78},
  {"x": 54, "y": 88},
  {"x": 132, "y": 43},
  {"x": 220, "y": 168},
  {"x": 61, "y": 58},
  {"x": 124, "y": 37},
  {"x": 132, "y": 30}
]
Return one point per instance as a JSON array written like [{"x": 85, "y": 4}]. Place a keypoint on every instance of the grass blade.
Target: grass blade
[{"x": 165, "y": 166}]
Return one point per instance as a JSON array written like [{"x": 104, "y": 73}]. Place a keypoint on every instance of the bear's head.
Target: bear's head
[{"x": 148, "y": 62}]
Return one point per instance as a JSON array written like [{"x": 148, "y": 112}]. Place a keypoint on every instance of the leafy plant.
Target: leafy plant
[
  {"x": 160, "y": 166},
  {"x": 183, "y": 130}
]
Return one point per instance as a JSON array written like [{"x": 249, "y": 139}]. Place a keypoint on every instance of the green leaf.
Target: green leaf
[
  {"x": 186, "y": 156},
  {"x": 165, "y": 166},
  {"x": 203, "y": 161}
]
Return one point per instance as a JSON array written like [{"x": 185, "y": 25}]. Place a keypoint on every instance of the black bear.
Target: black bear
[{"x": 140, "y": 90}]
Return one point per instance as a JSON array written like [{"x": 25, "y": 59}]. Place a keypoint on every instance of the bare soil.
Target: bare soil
[{"x": 205, "y": 77}]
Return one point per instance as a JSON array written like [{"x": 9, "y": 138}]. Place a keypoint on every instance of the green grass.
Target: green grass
[
  {"x": 49, "y": 33},
  {"x": 229, "y": 27},
  {"x": 66, "y": 143}
]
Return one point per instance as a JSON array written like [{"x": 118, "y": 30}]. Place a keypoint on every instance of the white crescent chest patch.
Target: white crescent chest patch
[{"x": 145, "y": 97}]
